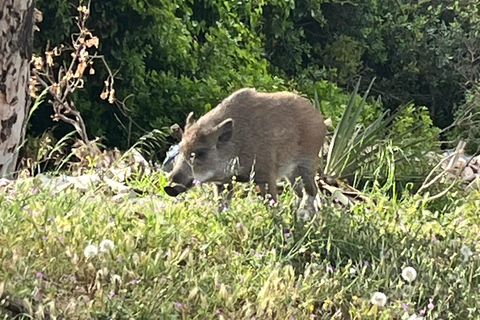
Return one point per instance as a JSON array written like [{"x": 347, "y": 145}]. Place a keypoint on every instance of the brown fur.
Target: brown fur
[{"x": 274, "y": 135}]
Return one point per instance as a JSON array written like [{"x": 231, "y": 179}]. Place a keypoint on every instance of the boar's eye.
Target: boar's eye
[{"x": 199, "y": 155}]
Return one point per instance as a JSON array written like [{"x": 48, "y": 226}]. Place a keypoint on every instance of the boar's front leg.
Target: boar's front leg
[
  {"x": 268, "y": 185},
  {"x": 223, "y": 204}
]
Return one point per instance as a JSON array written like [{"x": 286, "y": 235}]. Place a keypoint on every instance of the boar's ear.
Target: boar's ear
[
  {"x": 190, "y": 120},
  {"x": 224, "y": 130}
]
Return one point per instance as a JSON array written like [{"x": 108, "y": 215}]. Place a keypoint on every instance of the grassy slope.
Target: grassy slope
[{"x": 180, "y": 259}]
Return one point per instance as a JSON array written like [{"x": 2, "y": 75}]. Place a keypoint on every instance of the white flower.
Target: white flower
[
  {"x": 466, "y": 252},
  {"x": 415, "y": 317},
  {"x": 353, "y": 271},
  {"x": 409, "y": 274},
  {"x": 91, "y": 251},
  {"x": 379, "y": 299},
  {"x": 106, "y": 245},
  {"x": 116, "y": 278}
]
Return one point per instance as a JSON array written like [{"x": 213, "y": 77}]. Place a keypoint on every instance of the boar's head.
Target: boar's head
[{"x": 205, "y": 153}]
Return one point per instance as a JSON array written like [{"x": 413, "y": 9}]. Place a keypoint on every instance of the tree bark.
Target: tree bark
[{"x": 16, "y": 44}]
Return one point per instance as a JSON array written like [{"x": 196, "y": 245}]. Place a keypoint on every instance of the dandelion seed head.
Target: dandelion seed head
[
  {"x": 409, "y": 274},
  {"x": 106, "y": 245},
  {"x": 379, "y": 299},
  {"x": 90, "y": 251}
]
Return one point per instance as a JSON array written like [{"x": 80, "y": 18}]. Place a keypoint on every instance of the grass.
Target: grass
[{"x": 182, "y": 259}]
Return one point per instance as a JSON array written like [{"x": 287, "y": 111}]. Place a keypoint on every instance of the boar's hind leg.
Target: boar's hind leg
[{"x": 306, "y": 209}]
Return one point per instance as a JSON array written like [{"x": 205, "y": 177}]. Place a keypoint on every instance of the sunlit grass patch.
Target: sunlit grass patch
[{"x": 87, "y": 255}]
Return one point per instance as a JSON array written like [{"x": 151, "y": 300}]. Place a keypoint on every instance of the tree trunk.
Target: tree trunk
[{"x": 16, "y": 43}]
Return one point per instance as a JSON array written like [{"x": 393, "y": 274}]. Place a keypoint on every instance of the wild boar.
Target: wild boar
[{"x": 253, "y": 135}]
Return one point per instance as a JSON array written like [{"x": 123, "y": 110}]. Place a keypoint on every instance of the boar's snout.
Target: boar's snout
[
  {"x": 179, "y": 182},
  {"x": 174, "y": 190}
]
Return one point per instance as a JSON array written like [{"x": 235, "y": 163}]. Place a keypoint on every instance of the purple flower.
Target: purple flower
[
  {"x": 73, "y": 279},
  {"x": 219, "y": 311},
  {"x": 119, "y": 258},
  {"x": 272, "y": 202},
  {"x": 178, "y": 305},
  {"x": 431, "y": 305},
  {"x": 111, "y": 219},
  {"x": 366, "y": 263},
  {"x": 405, "y": 306},
  {"x": 287, "y": 234},
  {"x": 330, "y": 269},
  {"x": 111, "y": 294},
  {"x": 422, "y": 312},
  {"x": 53, "y": 193},
  {"x": 35, "y": 190},
  {"x": 39, "y": 275},
  {"x": 197, "y": 182},
  {"x": 51, "y": 218},
  {"x": 134, "y": 281},
  {"x": 434, "y": 239},
  {"x": 239, "y": 224}
]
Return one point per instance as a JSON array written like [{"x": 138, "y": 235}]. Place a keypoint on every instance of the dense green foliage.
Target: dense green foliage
[{"x": 177, "y": 56}]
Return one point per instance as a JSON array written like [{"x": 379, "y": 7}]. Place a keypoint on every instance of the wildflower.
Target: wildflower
[
  {"x": 51, "y": 218},
  {"x": 422, "y": 312},
  {"x": 219, "y": 311},
  {"x": 134, "y": 281},
  {"x": 353, "y": 271},
  {"x": 35, "y": 190},
  {"x": 434, "y": 239},
  {"x": 466, "y": 252},
  {"x": 197, "y": 182},
  {"x": 178, "y": 305},
  {"x": 135, "y": 258},
  {"x": 119, "y": 258},
  {"x": 116, "y": 278},
  {"x": 112, "y": 293},
  {"x": 366, "y": 263},
  {"x": 430, "y": 305},
  {"x": 239, "y": 224},
  {"x": 415, "y": 317},
  {"x": 90, "y": 251},
  {"x": 73, "y": 279},
  {"x": 405, "y": 306},
  {"x": 272, "y": 202},
  {"x": 106, "y": 245},
  {"x": 379, "y": 299},
  {"x": 287, "y": 234},
  {"x": 39, "y": 275},
  {"x": 330, "y": 269},
  {"x": 409, "y": 274}
]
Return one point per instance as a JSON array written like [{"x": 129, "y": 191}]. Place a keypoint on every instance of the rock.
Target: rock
[{"x": 468, "y": 174}]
